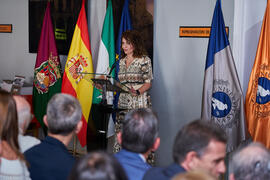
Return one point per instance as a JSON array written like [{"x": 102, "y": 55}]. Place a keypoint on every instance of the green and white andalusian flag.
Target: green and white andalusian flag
[
  {"x": 106, "y": 54},
  {"x": 106, "y": 58}
]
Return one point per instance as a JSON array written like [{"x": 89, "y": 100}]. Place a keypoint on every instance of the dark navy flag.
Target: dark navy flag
[
  {"x": 222, "y": 101},
  {"x": 125, "y": 25}
]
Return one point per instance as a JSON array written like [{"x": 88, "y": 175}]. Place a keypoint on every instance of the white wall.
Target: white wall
[
  {"x": 15, "y": 58},
  {"x": 179, "y": 65}
]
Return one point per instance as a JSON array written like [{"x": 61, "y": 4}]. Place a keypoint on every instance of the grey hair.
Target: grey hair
[
  {"x": 24, "y": 118},
  {"x": 251, "y": 163},
  {"x": 63, "y": 114}
]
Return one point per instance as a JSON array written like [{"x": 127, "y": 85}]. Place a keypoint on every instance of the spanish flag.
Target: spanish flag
[
  {"x": 80, "y": 60},
  {"x": 258, "y": 94}
]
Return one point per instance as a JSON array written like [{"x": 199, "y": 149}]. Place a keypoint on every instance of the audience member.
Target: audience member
[
  {"x": 13, "y": 165},
  {"x": 138, "y": 138},
  {"x": 50, "y": 160},
  {"x": 98, "y": 166},
  {"x": 194, "y": 175},
  {"x": 24, "y": 119},
  {"x": 250, "y": 163},
  {"x": 198, "y": 145}
]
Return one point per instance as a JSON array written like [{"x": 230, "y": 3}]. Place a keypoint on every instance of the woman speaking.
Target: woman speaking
[{"x": 135, "y": 72}]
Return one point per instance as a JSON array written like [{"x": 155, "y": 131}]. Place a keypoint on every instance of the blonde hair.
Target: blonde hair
[{"x": 194, "y": 175}]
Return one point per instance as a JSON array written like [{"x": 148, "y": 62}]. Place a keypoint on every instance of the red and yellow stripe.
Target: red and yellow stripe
[{"x": 77, "y": 85}]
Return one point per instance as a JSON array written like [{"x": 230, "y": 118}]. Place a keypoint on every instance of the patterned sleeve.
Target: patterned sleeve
[{"x": 146, "y": 68}]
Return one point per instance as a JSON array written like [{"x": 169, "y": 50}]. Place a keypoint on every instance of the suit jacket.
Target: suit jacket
[
  {"x": 166, "y": 173},
  {"x": 133, "y": 164},
  {"x": 49, "y": 160}
]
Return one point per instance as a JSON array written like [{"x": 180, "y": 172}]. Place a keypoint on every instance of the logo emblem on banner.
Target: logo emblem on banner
[
  {"x": 263, "y": 91},
  {"x": 75, "y": 66},
  {"x": 221, "y": 104},
  {"x": 224, "y": 104},
  {"x": 47, "y": 74}
]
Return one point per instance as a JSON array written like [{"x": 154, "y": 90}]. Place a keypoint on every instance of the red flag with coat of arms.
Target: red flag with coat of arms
[{"x": 47, "y": 75}]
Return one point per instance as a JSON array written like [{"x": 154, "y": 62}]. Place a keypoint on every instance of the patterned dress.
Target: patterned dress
[{"x": 135, "y": 75}]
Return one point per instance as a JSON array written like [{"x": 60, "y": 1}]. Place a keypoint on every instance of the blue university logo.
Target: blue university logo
[
  {"x": 263, "y": 91},
  {"x": 221, "y": 104}
]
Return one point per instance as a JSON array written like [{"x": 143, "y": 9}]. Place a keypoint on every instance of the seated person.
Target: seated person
[
  {"x": 50, "y": 160},
  {"x": 98, "y": 166},
  {"x": 250, "y": 163},
  {"x": 138, "y": 138},
  {"x": 12, "y": 162},
  {"x": 198, "y": 145},
  {"x": 24, "y": 119}
]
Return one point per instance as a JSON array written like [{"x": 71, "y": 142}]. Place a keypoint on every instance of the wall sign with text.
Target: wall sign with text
[
  {"x": 5, "y": 28},
  {"x": 197, "y": 31}
]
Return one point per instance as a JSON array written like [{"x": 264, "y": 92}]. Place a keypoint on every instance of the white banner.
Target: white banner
[{"x": 248, "y": 16}]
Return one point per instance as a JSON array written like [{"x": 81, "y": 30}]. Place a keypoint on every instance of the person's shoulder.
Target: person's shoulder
[
  {"x": 27, "y": 142},
  {"x": 165, "y": 173},
  {"x": 126, "y": 155},
  {"x": 31, "y": 138},
  {"x": 122, "y": 61},
  {"x": 153, "y": 173},
  {"x": 40, "y": 149},
  {"x": 146, "y": 57},
  {"x": 145, "y": 60},
  {"x": 35, "y": 149}
]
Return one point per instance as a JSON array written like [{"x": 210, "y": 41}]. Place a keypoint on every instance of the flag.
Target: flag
[
  {"x": 222, "y": 101},
  {"x": 106, "y": 58},
  {"x": 125, "y": 25},
  {"x": 106, "y": 54},
  {"x": 246, "y": 36},
  {"x": 258, "y": 92},
  {"x": 47, "y": 74},
  {"x": 80, "y": 60}
]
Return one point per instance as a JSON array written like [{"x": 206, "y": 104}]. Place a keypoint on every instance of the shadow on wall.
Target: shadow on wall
[
  {"x": 251, "y": 36},
  {"x": 161, "y": 106}
]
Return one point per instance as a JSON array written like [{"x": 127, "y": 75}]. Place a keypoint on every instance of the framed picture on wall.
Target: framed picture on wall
[{"x": 64, "y": 14}]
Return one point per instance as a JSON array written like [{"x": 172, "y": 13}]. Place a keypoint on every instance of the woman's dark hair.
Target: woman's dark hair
[
  {"x": 98, "y": 166},
  {"x": 133, "y": 37},
  {"x": 9, "y": 122}
]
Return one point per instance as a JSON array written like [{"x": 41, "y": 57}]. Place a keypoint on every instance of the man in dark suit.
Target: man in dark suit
[
  {"x": 50, "y": 160},
  {"x": 197, "y": 146},
  {"x": 138, "y": 138}
]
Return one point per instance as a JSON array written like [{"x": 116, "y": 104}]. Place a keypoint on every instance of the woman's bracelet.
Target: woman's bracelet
[{"x": 138, "y": 92}]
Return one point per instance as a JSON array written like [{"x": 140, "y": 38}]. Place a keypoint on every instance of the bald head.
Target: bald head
[
  {"x": 251, "y": 163},
  {"x": 24, "y": 113}
]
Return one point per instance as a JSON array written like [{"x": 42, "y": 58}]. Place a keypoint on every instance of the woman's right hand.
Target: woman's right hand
[{"x": 133, "y": 91}]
